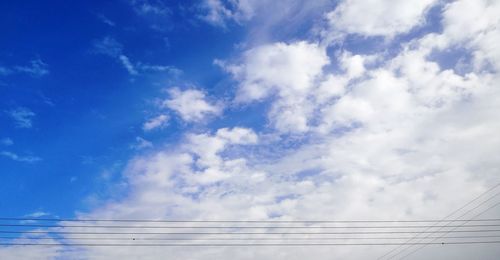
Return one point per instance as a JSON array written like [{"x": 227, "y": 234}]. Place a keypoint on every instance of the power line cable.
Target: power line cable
[
  {"x": 482, "y": 212},
  {"x": 244, "y": 244},
  {"x": 239, "y": 227},
  {"x": 467, "y": 212},
  {"x": 233, "y": 221},
  {"x": 237, "y": 239},
  {"x": 245, "y": 233},
  {"x": 446, "y": 217}
]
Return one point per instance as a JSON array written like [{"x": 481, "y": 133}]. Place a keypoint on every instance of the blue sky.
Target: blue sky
[
  {"x": 87, "y": 108},
  {"x": 256, "y": 109}
]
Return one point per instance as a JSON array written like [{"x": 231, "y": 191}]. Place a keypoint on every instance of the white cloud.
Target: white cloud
[
  {"x": 141, "y": 143},
  {"x": 128, "y": 65},
  {"x": 159, "y": 68},
  {"x": 287, "y": 71},
  {"x": 19, "y": 158},
  {"x": 238, "y": 135},
  {"x": 474, "y": 24},
  {"x": 218, "y": 12},
  {"x": 155, "y": 122},
  {"x": 38, "y": 214},
  {"x": 378, "y": 18},
  {"x": 108, "y": 46},
  {"x": 23, "y": 117},
  {"x": 150, "y": 7},
  {"x": 24, "y": 252},
  {"x": 37, "y": 68},
  {"x": 191, "y": 104},
  {"x": 265, "y": 18},
  {"x": 106, "y": 20},
  {"x": 112, "y": 48}
]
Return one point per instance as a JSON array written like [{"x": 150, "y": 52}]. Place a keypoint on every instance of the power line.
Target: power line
[
  {"x": 238, "y": 239},
  {"x": 467, "y": 212},
  {"x": 480, "y": 213},
  {"x": 448, "y": 216},
  {"x": 245, "y": 233},
  {"x": 234, "y": 221},
  {"x": 241, "y": 227},
  {"x": 245, "y": 244}
]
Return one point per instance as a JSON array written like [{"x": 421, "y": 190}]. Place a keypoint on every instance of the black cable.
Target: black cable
[
  {"x": 448, "y": 216},
  {"x": 231, "y": 221},
  {"x": 234, "y": 239},
  {"x": 245, "y": 245},
  {"x": 237, "y": 227},
  {"x": 244, "y": 233},
  {"x": 477, "y": 215}
]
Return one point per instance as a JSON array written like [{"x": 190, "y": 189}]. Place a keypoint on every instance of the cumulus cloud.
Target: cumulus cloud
[
  {"x": 23, "y": 117},
  {"x": 287, "y": 71},
  {"x": 191, "y": 104},
  {"x": 280, "y": 67},
  {"x": 379, "y": 18},
  {"x": 472, "y": 25}
]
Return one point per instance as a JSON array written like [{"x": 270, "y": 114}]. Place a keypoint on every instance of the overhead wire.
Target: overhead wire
[
  {"x": 243, "y": 233},
  {"x": 232, "y": 221},
  {"x": 230, "y": 230},
  {"x": 243, "y": 244},
  {"x": 482, "y": 212},
  {"x": 241, "y": 227},
  {"x": 237, "y": 239},
  {"x": 446, "y": 217}
]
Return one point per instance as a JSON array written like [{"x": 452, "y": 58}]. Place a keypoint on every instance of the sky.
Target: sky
[{"x": 247, "y": 109}]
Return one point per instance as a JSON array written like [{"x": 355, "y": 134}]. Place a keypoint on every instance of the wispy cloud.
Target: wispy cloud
[
  {"x": 128, "y": 65},
  {"x": 158, "y": 68},
  {"x": 150, "y": 7},
  {"x": 106, "y": 20},
  {"x": 6, "y": 141},
  {"x": 35, "y": 68},
  {"x": 38, "y": 214},
  {"x": 111, "y": 47},
  {"x": 4, "y": 71},
  {"x": 19, "y": 158},
  {"x": 141, "y": 143},
  {"x": 217, "y": 12},
  {"x": 155, "y": 122},
  {"x": 22, "y": 117},
  {"x": 108, "y": 46}
]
